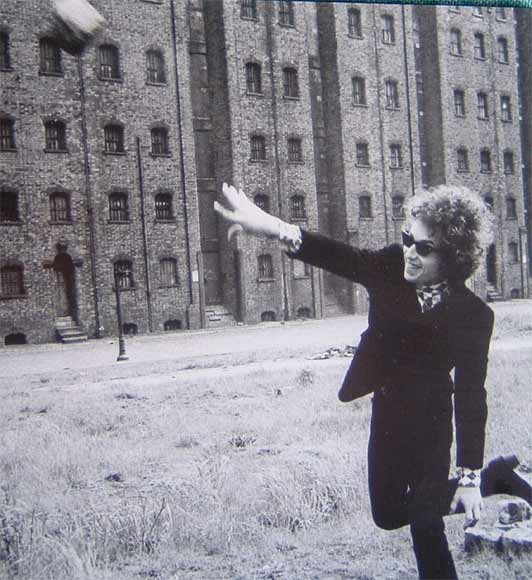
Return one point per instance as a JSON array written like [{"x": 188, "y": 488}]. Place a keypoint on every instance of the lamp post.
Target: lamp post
[{"x": 121, "y": 342}]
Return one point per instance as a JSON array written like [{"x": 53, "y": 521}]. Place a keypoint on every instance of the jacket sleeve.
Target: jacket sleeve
[
  {"x": 367, "y": 267},
  {"x": 471, "y": 339}
]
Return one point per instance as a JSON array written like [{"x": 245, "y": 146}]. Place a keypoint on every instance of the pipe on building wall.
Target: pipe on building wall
[
  {"x": 408, "y": 103},
  {"x": 88, "y": 194}
]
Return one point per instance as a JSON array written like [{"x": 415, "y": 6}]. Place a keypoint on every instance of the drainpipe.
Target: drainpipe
[
  {"x": 408, "y": 111},
  {"x": 88, "y": 194}
]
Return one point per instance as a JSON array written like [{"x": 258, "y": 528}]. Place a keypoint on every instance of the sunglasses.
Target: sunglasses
[{"x": 423, "y": 248}]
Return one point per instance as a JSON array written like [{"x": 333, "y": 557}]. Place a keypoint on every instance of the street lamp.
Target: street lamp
[{"x": 121, "y": 342}]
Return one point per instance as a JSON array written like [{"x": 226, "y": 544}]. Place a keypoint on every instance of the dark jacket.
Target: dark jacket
[{"x": 403, "y": 346}]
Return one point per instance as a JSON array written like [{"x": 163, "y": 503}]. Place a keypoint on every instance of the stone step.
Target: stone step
[
  {"x": 76, "y": 338},
  {"x": 64, "y": 322}
]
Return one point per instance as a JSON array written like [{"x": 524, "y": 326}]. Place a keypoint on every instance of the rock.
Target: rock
[
  {"x": 477, "y": 538},
  {"x": 514, "y": 510},
  {"x": 517, "y": 539}
]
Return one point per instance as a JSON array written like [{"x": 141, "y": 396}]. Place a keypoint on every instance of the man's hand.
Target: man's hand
[
  {"x": 245, "y": 215},
  {"x": 470, "y": 499}
]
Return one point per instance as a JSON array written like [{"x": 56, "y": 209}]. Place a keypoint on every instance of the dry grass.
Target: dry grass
[{"x": 247, "y": 472}]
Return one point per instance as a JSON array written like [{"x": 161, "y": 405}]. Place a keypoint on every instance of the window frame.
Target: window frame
[
  {"x": 354, "y": 23},
  {"x": 265, "y": 270},
  {"x": 258, "y": 153},
  {"x": 367, "y": 214},
  {"x": 362, "y": 154},
  {"x": 55, "y": 136},
  {"x": 60, "y": 215},
  {"x": 459, "y": 103},
  {"x": 462, "y": 160},
  {"x": 482, "y": 106},
  {"x": 503, "y": 50},
  {"x": 118, "y": 203},
  {"x": 9, "y": 210},
  {"x": 358, "y": 89},
  {"x": 287, "y": 15},
  {"x": 391, "y": 92},
  {"x": 456, "y": 46},
  {"x": 123, "y": 274},
  {"x": 155, "y": 67},
  {"x": 511, "y": 208},
  {"x": 396, "y": 156},
  {"x": 298, "y": 210},
  {"x": 12, "y": 281},
  {"x": 479, "y": 46},
  {"x": 248, "y": 6},
  {"x": 5, "y": 51},
  {"x": 387, "y": 29},
  {"x": 398, "y": 215},
  {"x": 7, "y": 134},
  {"x": 508, "y": 162},
  {"x": 291, "y": 88},
  {"x": 160, "y": 142},
  {"x": 168, "y": 272},
  {"x": 164, "y": 207},
  {"x": 253, "y": 78},
  {"x": 50, "y": 59},
  {"x": 295, "y": 150},
  {"x": 506, "y": 108},
  {"x": 485, "y": 161},
  {"x": 112, "y": 53},
  {"x": 114, "y": 134}
]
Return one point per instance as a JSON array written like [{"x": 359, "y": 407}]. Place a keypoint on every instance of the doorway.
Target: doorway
[
  {"x": 491, "y": 266},
  {"x": 65, "y": 296}
]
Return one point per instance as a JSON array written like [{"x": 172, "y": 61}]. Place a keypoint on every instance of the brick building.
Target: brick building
[{"x": 328, "y": 114}]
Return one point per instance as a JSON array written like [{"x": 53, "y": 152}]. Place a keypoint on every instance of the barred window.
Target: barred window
[
  {"x": 60, "y": 207},
  {"x": 7, "y": 134},
  {"x": 109, "y": 62},
  {"x": 502, "y": 47},
  {"x": 482, "y": 105},
  {"x": 11, "y": 281},
  {"x": 488, "y": 200},
  {"x": 159, "y": 141},
  {"x": 286, "y": 13},
  {"x": 5, "y": 61},
  {"x": 485, "y": 161},
  {"x": 511, "y": 208},
  {"x": 297, "y": 207},
  {"x": 262, "y": 201},
  {"x": 258, "y": 148},
  {"x": 513, "y": 251},
  {"x": 248, "y": 9},
  {"x": 354, "y": 22},
  {"x": 253, "y": 78},
  {"x": 508, "y": 162},
  {"x": 359, "y": 91},
  {"x": 364, "y": 207},
  {"x": 462, "y": 157},
  {"x": 155, "y": 67},
  {"x": 265, "y": 267},
  {"x": 392, "y": 94},
  {"x": 388, "y": 29},
  {"x": 459, "y": 103},
  {"x": 398, "y": 209},
  {"x": 500, "y": 13},
  {"x": 123, "y": 271},
  {"x": 290, "y": 83},
  {"x": 114, "y": 139},
  {"x": 118, "y": 207},
  {"x": 506, "y": 109},
  {"x": 396, "y": 156},
  {"x": 479, "y": 46},
  {"x": 50, "y": 57},
  {"x": 9, "y": 211},
  {"x": 55, "y": 136},
  {"x": 295, "y": 152},
  {"x": 169, "y": 272},
  {"x": 456, "y": 42},
  {"x": 164, "y": 210},
  {"x": 362, "y": 154}
]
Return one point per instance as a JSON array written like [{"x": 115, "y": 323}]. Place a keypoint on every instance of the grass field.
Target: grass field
[{"x": 253, "y": 471}]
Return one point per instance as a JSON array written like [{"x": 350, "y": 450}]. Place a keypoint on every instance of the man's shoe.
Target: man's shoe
[{"x": 506, "y": 475}]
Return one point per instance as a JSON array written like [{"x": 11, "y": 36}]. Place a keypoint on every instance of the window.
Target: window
[
  {"x": 362, "y": 153},
  {"x": 114, "y": 139},
  {"x": 248, "y": 9},
  {"x": 60, "y": 207},
  {"x": 506, "y": 109},
  {"x": 109, "y": 62},
  {"x": 5, "y": 61},
  {"x": 388, "y": 29},
  {"x": 392, "y": 95},
  {"x": 265, "y": 266},
  {"x": 459, "y": 103},
  {"x": 396, "y": 156},
  {"x": 50, "y": 57},
  {"x": 258, "y": 148},
  {"x": 130, "y": 328},
  {"x": 488, "y": 200},
  {"x": 508, "y": 162},
  {"x": 55, "y": 136},
  {"x": 268, "y": 316},
  {"x": 479, "y": 46},
  {"x": 155, "y": 67},
  {"x": 502, "y": 49},
  {"x": 11, "y": 281},
  {"x": 500, "y": 13},
  {"x": 485, "y": 161},
  {"x": 262, "y": 201},
  {"x": 164, "y": 210},
  {"x": 511, "y": 208},
  {"x": 297, "y": 207},
  {"x": 290, "y": 83},
  {"x": 398, "y": 210},
  {"x": 159, "y": 141},
  {"x": 286, "y": 13},
  {"x": 456, "y": 42},
  {"x": 354, "y": 22},
  {"x": 513, "y": 252},
  {"x": 300, "y": 269},
  {"x": 123, "y": 271},
  {"x": 7, "y": 134},
  {"x": 462, "y": 159},
  {"x": 253, "y": 78},
  {"x": 482, "y": 105},
  {"x": 169, "y": 272},
  {"x": 118, "y": 207},
  {"x": 295, "y": 152},
  {"x": 9, "y": 206},
  {"x": 364, "y": 207},
  {"x": 359, "y": 91},
  {"x": 478, "y": 11}
]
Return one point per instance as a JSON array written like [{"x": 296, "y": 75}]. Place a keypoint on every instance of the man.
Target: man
[{"x": 423, "y": 322}]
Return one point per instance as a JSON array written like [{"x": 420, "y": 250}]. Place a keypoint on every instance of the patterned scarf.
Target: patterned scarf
[{"x": 429, "y": 296}]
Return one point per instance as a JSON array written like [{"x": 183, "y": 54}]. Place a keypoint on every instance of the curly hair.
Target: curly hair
[{"x": 464, "y": 221}]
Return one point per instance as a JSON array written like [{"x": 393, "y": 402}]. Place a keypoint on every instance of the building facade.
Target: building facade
[{"x": 329, "y": 115}]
